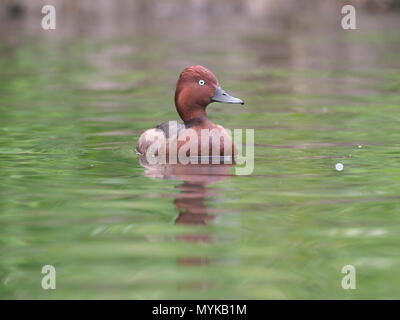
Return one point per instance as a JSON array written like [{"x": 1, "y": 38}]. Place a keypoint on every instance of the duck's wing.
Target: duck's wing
[{"x": 171, "y": 128}]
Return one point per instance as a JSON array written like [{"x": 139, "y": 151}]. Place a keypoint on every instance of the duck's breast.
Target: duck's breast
[{"x": 210, "y": 141}]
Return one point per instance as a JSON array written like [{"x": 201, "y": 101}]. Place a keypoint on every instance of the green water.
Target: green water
[{"x": 73, "y": 194}]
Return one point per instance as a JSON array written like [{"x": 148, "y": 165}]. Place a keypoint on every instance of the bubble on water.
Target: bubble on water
[{"x": 339, "y": 166}]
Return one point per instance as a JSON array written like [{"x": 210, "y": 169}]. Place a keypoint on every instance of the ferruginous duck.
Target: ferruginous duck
[{"x": 196, "y": 88}]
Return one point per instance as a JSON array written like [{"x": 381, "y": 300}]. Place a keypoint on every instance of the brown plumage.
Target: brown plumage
[{"x": 196, "y": 88}]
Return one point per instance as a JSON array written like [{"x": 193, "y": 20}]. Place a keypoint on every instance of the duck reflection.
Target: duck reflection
[
  {"x": 190, "y": 201},
  {"x": 194, "y": 190}
]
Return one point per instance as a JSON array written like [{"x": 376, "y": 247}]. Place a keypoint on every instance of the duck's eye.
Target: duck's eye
[{"x": 202, "y": 82}]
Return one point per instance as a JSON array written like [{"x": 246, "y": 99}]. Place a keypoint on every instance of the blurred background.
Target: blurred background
[{"x": 74, "y": 100}]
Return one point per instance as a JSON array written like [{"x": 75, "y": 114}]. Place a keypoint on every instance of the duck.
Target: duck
[{"x": 196, "y": 88}]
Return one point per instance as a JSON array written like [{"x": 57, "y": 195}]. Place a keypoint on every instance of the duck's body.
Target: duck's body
[{"x": 197, "y": 135}]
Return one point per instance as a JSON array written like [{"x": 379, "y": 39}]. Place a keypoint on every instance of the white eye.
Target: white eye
[{"x": 202, "y": 82}]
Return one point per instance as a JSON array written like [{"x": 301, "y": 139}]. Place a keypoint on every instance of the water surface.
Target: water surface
[{"x": 74, "y": 195}]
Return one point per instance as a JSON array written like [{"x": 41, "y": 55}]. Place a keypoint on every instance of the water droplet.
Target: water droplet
[{"x": 339, "y": 166}]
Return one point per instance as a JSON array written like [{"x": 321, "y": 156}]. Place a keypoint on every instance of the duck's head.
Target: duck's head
[{"x": 197, "y": 87}]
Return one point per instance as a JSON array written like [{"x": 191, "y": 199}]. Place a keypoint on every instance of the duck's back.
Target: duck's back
[
  {"x": 164, "y": 131},
  {"x": 172, "y": 127}
]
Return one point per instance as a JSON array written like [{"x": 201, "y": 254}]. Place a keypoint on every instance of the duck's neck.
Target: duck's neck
[
  {"x": 193, "y": 115},
  {"x": 197, "y": 121}
]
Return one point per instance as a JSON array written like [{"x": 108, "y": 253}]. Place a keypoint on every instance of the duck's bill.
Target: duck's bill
[{"x": 221, "y": 96}]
